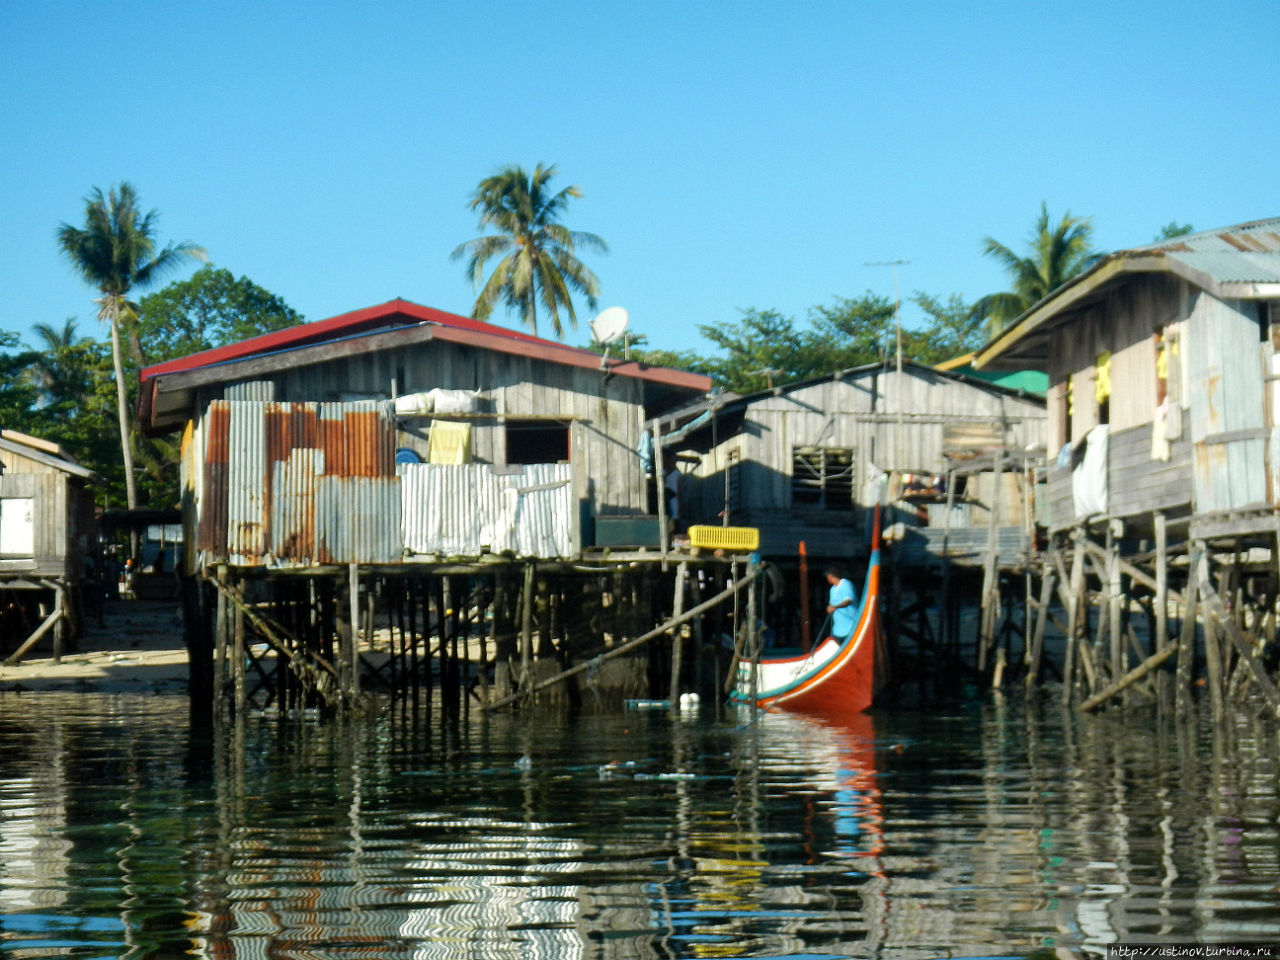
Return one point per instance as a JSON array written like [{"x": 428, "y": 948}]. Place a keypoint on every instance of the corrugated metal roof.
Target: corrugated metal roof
[
  {"x": 1233, "y": 267},
  {"x": 403, "y": 313},
  {"x": 1257, "y": 235}
]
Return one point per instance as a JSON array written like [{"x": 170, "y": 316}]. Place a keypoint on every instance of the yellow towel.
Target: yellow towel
[{"x": 449, "y": 442}]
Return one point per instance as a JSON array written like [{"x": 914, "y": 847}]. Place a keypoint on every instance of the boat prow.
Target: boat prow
[{"x": 836, "y": 678}]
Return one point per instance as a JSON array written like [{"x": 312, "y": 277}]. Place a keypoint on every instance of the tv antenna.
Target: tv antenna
[
  {"x": 609, "y": 325},
  {"x": 897, "y": 333}
]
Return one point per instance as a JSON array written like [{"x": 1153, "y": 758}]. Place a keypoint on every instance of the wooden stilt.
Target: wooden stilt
[
  {"x": 1037, "y": 639},
  {"x": 1160, "y": 636},
  {"x": 1212, "y": 649},
  {"x": 526, "y": 624},
  {"x": 622, "y": 648},
  {"x": 237, "y": 661},
  {"x": 677, "y": 641}
]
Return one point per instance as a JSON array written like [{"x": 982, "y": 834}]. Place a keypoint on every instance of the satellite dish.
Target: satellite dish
[{"x": 609, "y": 325}]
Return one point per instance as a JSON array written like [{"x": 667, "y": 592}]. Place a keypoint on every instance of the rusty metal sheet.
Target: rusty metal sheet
[{"x": 290, "y": 484}]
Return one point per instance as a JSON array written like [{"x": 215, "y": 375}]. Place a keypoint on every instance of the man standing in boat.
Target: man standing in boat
[{"x": 842, "y": 602}]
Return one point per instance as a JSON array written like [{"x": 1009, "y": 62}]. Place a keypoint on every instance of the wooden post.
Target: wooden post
[
  {"x": 1187, "y": 636},
  {"x": 1161, "y": 601},
  {"x": 237, "y": 664},
  {"x": 806, "y": 637},
  {"x": 1037, "y": 639},
  {"x": 677, "y": 641},
  {"x": 353, "y": 654},
  {"x": 991, "y": 570},
  {"x": 732, "y": 590},
  {"x": 526, "y": 623},
  {"x": 1212, "y": 650},
  {"x": 1114, "y": 600},
  {"x": 660, "y": 482}
]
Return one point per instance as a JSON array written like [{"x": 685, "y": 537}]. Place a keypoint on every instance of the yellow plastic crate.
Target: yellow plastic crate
[{"x": 733, "y": 539}]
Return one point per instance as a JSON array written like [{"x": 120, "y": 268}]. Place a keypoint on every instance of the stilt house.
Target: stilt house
[
  {"x": 1164, "y": 392},
  {"x": 400, "y": 432},
  {"x": 46, "y": 532},
  {"x": 807, "y": 461}
]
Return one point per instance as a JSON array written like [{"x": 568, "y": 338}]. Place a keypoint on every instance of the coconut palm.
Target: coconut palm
[
  {"x": 48, "y": 370},
  {"x": 539, "y": 264},
  {"x": 1057, "y": 253},
  {"x": 115, "y": 251}
]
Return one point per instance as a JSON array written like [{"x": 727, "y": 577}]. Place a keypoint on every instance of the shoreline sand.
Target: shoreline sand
[{"x": 136, "y": 648}]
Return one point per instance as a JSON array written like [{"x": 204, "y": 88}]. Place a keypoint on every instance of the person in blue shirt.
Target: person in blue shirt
[{"x": 842, "y": 604}]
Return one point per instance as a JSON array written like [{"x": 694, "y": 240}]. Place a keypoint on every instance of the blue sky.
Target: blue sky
[{"x": 733, "y": 155}]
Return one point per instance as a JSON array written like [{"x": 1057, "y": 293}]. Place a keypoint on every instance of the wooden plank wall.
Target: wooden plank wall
[
  {"x": 48, "y": 491},
  {"x": 1228, "y": 416},
  {"x": 1122, "y": 324},
  {"x": 862, "y": 413},
  {"x": 610, "y": 409}
]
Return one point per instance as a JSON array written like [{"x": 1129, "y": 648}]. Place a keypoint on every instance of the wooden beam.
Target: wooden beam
[
  {"x": 1133, "y": 676},
  {"x": 45, "y": 626},
  {"x": 1214, "y": 602},
  {"x": 630, "y": 645}
]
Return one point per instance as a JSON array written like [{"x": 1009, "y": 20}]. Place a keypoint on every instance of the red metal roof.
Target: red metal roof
[{"x": 390, "y": 314}]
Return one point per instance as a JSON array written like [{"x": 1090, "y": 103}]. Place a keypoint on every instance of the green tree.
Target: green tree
[
  {"x": 209, "y": 309},
  {"x": 52, "y": 377},
  {"x": 115, "y": 251},
  {"x": 763, "y": 349},
  {"x": 538, "y": 265},
  {"x": 1056, "y": 253},
  {"x": 1173, "y": 229},
  {"x": 851, "y": 332},
  {"x": 950, "y": 330},
  {"x": 19, "y": 390}
]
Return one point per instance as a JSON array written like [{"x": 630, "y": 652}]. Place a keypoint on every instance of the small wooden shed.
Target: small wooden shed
[
  {"x": 1164, "y": 374},
  {"x": 46, "y": 533},
  {"x": 807, "y": 460}
]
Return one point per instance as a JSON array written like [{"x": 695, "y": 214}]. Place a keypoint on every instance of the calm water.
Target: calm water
[{"x": 993, "y": 831}]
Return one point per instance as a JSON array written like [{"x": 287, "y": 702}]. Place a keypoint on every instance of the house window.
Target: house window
[
  {"x": 822, "y": 477},
  {"x": 1102, "y": 386},
  {"x": 537, "y": 441},
  {"x": 732, "y": 484},
  {"x": 17, "y": 527}
]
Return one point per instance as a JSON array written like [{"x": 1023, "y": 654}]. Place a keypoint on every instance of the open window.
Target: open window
[
  {"x": 822, "y": 477},
  {"x": 537, "y": 441}
]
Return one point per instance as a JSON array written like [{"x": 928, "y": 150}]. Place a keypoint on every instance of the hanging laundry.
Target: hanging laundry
[{"x": 449, "y": 442}]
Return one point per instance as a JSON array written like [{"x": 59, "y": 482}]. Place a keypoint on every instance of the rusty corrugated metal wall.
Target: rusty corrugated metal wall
[
  {"x": 292, "y": 484},
  {"x": 296, "y": 484}
]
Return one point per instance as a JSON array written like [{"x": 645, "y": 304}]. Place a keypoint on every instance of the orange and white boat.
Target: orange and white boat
[{"x": 837, "y": 678}]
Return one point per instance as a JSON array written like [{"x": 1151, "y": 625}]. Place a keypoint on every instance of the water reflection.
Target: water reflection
[{"x": 125, "y": 832}]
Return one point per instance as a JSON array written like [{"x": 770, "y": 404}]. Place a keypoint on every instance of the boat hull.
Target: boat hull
[{"x": 835, "y": 680}]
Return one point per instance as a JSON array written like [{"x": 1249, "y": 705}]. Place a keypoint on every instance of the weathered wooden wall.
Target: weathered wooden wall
[
  {"x": 1139, "y": 482},
  {"x": 59, "y": 535},
  {"x": 610, "y": 409},
  {"x": 891, "y": 422}
]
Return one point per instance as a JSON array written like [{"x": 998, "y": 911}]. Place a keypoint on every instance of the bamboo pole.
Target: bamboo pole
[{"x": 630, "y": 645}]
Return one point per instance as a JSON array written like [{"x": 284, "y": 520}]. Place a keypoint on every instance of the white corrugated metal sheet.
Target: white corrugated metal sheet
[{"x": 468, "y": 509}]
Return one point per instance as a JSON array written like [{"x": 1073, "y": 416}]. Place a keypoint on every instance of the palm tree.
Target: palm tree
[
  {"x": 539, "y": 264},
  {"x": 115, "y": 252},
  {"x": 1056, "y": 255},
  {"x": 47, "y": 370}
]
